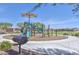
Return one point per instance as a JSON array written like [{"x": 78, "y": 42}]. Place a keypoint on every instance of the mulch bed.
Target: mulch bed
[
  {"x": 46, "y": 38},
  {"x": 39, "y": 38}
]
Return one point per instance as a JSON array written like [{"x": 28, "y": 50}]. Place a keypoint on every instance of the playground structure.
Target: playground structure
[
  {"x": 33, "y": 30},
  {"x": 30, "y": 30}
]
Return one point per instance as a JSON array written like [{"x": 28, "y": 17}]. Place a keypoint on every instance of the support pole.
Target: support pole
[
  {"x": 19, "y": 48},
  {"x": 29, "y": 25}
]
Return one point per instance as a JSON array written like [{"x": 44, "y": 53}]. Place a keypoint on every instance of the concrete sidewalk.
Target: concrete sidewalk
[{"x": 71, "y": 43}]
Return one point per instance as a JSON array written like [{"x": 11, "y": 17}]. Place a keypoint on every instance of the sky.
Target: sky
[{"x": 59, "y": 16}]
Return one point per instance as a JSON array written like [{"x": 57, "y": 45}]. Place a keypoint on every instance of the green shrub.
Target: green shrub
[
  {"x": 65, "y": 34},
  {"x": 5, "y": 45},
  {"x": 76, "y": 34}
]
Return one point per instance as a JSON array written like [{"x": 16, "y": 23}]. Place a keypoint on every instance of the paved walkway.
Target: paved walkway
[
  {"x": 71, "y": 43},
  {"x": 3, "y": 39}
]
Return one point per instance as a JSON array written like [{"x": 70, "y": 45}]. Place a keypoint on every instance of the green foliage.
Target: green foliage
[
  {"x": 5, "y": 25},
  {"x": 5, "y": 45},
  {"x": 23, "y": 24},
  {"x": 38, "y": 24},
  {"x": 65, "y": 34},
  {"x": 76, "y": 34},
  {"x": 20, "y": 24}
]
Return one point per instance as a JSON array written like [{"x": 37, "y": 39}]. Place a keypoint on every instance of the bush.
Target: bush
[
  {"x": 5, "y": 45},
  {"x": 65, "y": 34},
  {"x": 76, "y": 34}
]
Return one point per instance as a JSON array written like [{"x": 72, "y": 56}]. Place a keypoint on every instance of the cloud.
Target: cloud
[{"x": 57, "y": 22}]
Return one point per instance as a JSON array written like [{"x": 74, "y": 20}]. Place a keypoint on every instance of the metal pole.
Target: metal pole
[
  {"x": 29, "y": 24},
  {"x": 31, "y": 30},
  {"x": 19, "y": 48},
  {"x": 29, "y": 17}
]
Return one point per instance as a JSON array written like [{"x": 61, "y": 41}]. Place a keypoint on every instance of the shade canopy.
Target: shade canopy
[
  {"x": 20, "y": 39},
  {"x": 29, "y": 15}
]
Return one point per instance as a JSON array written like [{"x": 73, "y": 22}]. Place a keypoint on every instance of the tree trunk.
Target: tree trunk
[
  {"x": 43, "y": 31},
  {"x": 48, "y": 31},
  {"x": 34, "y": 32},
  {"x": 56, "y": 32},
  {"x": 52, "y": 32}
]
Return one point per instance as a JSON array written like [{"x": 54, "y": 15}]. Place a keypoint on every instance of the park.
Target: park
[{"x": 32, "y": 37}]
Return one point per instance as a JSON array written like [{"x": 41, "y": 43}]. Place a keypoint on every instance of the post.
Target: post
[
  {"x": 19, "y": 48},
  {"x": 31, "y": 30},
  {"x": 56, "y": 32},
  {"x": 29, "y": 17},
  {"x": 52, "y": 32},
  {"x": 48, "y": 32},
  {"x": 43, "y": 31},
  {"x": 34, "y": 32},
  {"x": 29, "y": 25}
]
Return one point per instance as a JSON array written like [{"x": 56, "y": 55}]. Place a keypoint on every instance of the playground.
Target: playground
[
  {"x": 53, "y": 47},
  {"x": 39, "y": 32}
]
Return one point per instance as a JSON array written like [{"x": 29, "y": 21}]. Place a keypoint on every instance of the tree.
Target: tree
[
  {"x": 5, "y": 25},
  {"x": 39, "y": 27},
  {"x": 38, "y": 24},
  {"x": 41, "y": 4},
  {"x": 75, "y": 9},
  {"x": 21, "y": 24}
]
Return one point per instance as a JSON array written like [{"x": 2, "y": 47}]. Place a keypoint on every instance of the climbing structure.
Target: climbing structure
[{"x": 30, "y": 29}]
